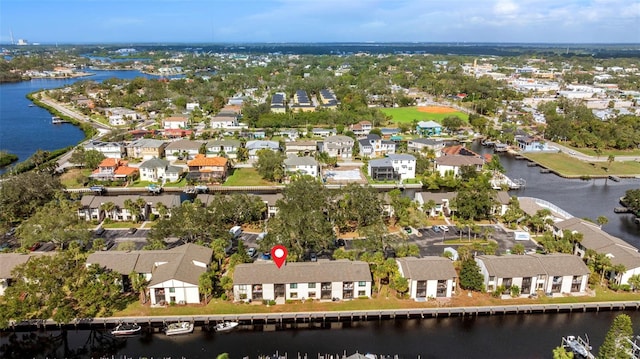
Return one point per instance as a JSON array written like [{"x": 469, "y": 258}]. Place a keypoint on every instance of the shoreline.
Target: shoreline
[{"x": 203, "y": 320}]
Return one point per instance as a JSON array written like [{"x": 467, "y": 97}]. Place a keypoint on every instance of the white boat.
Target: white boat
[
  {"x": 226, "y": 326},
  {"x": 179, "y": 328},
  {"x": 578, "y": 346},
  {"x": 126, "y": 329}
]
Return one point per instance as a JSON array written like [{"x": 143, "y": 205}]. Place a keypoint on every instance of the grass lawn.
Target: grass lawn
[
  {"x": 386, "y": 299},
  {"x": 605, "y": 153},
  {"x": 246, "y": 177},
  {"x": 408, "y": 114},
  {"x": 181, "y": 183},
  {"x": 71, "y": 177},
  {"x": 571, "y": 167},
  {"x": 120, "y": 225}
]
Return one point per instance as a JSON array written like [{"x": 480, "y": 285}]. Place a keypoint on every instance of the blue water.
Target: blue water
[{"x": 24, "y": 129}]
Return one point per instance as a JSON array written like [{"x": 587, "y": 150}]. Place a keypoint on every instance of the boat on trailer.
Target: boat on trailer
[
  {"x": 226, "y": 326},
  {"x": 179, "y": 328},
  {"x": 126, "y": 329}
]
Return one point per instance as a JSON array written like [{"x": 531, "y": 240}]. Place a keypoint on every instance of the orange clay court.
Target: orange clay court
[{"x": 436, "y": 109}]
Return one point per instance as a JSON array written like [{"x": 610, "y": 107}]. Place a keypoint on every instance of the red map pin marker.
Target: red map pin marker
[{"x": 279, "y": 254}]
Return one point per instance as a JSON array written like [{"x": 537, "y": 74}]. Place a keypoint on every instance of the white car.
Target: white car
[{"x": 444, "y": 228}]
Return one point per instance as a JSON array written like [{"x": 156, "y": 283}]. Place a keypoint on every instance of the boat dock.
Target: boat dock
[
  {"x": 578, "y": 346},
  {"x": 57, "y": 120},
  {"x": 334, "y": 319},
  {"x": 500, "y": 180}
]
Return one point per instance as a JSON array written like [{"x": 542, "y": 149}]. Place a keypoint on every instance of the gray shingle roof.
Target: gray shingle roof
[
  {"x": 300, "y": 161},
  {"x": 164, "y": 265},
  {"x": 556, "y": 264},
  {"x": 302, "y": 272},
  {"x": 437, "y": 268},
  {"x": 154, "y": 163},
  {"x": 8, "y": 261}
]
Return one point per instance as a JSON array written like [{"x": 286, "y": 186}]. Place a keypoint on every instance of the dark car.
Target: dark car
[
  {"x": 132, "y": 230},
  {"x": 313, "y": 256},
  {"x": 99, "y": 231},
  {"x": 407, "y": 229},
  {"x": 339, "y": 242},
  {"x": 35, "y": 246}
]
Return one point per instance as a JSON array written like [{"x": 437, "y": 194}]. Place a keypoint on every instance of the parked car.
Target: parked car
[
  {"x": 313, "y": 256},
  {"x": 99, "y": 231},
  {"x": 4, "y": 247},
  {"x": 444, "y": 228},
  {"x": 235, "y": 231},
  {"x": 261, "y": 236},
  {"x": 339, "y": 242},
  {"x": 35, "y": 246},
  {"x": 132, "y": 230},
  {"x": 436, "y": 229},
  {"x": 251, "y": 252},
  {"x": 407, "y": 229}
]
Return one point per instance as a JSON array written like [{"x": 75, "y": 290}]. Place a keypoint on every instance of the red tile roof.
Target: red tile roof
[{"x": 202, "y": 161}]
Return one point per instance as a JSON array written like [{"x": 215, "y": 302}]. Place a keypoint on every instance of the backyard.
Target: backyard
[
  {"x": 571, "y": 167},
  {"x": 246, "y": 177}
]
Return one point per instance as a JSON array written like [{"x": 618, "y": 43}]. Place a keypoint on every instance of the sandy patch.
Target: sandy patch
[{"x": 436, "y": 109}]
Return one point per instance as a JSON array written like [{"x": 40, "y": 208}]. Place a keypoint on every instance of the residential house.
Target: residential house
[
  {"x": 301, "y": 148},
  {"x": 173, "y": 274},
  {"x": 374, "y": 146},
  {"x": 339, "y": 146},
  {"x": 278, "y": 104},
  {"x": 208, "y": 169},
  {"x": 554, "y": 274},
  {"x": 97, "y": 208},
  {"x": 190, "y": 106},
  {"x": 120, "y": 116},
  {"x": 224, "y": 120},
  {"x": 256, "y": 145},
  {"x": 8, "y": 262},
  {"x": 146, "y": 148},
  {"x": 323, "y": 132},
  {"x": 530, "y": 144},
  {"x": 428, "y": 128},
  {"x": 328, "y": 99},
  {"x": 223, "y": 148},
  {"x": 425, "y": 144},
  {"x": 175, "y": 123},
  {"x": 157, "y": 169},
  {"x": 301, "y": 165},
  {"x": 390, "y": 132},
  {"x": 393, "y": 167},
  {"x": 271, "y": 201},
  {"x": 619, "y": 252},
  {"x": 162, "y": 205},
  {"x": 502, "y": 203},
  {"x": 428, "y": 277},
  {"x": 108, "y": 149},
  {"x": 454, "y": 160},
  {"x": 361, "y": 128},
  {"x": 182, "y": 149},
  {"x": 301, "y": 102},
  {"x": 441, "y": 202},
  {"x": 113, "y": 169},
  {"x": 324, "y": 280}
]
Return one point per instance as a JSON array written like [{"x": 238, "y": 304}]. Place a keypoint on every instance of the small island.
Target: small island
[{"x": 7, "y": 158}]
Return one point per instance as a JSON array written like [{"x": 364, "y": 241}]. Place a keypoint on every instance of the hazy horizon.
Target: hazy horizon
[{"x": 320, "y": 21}]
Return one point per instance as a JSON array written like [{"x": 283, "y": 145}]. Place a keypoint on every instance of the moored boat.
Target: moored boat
[
  {"x": 179, "y": 328},
  {"x": 226, "y": 326},
  {"x": 126, "y": 329}
]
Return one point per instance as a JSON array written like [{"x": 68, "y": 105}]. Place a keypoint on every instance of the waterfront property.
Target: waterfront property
[
  {"x": 256, "y": 145},
  {"x": 209, "y": 169},
  {"x": 619, "y": 252},
  {"x": 421, "y": 144},
  {"x": 173, "y": 274},
  {"x": 338, "y": 146},
  {"x": 112, "y": 169},
  {"x": 97, "y": 208},
  {"x": 8, "y": 261},
  {"x": 324, "y": 280},
  {"x": 441, "y": 202},
  {"x": 301, "y": 165},
  {"x": 108, "y": 149},
  {"x": 146, "y": 148},
  {"x": 157, "y": 169},
  {"x": 429, "y": 277},
  {"x": 182, "y": 149},
  {"x": 223, "y": 148},
  {"x": 553, "y": 274},
  {"x": 393, "y": 167}
]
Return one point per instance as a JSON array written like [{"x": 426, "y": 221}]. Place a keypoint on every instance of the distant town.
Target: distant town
[{"x": 362, "y": 164}]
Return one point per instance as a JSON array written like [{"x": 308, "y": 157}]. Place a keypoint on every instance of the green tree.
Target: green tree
[
  {"x": 61, "y": 287},
  {"x": 617, "y": 343},
  {"x": 634, "y": 282},
  {"x": 475, "y": 199},
  {"x": 139, "y": 285},
  {"x": 56, "y": 222},
  {"x": 23, "y": 194},
  {"x": 270, "y": 165},
  {"x": 610, "y": 160},
  {"x": 206, "y": 284},
  {"x": 561, "y": 353},
  {"x": 470, "y": 276},
  {"x": 602, "y": 220}
]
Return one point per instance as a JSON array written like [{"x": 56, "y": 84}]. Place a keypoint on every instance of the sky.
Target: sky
[{"x": 215, "y": 21}]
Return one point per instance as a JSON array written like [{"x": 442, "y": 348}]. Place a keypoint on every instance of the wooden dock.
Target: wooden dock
[{"x": 265, "y": 321}]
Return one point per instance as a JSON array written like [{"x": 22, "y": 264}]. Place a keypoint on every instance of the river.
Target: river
[
  {"x": 500, "y": 336},
  {"x": 25, "y": 129}
]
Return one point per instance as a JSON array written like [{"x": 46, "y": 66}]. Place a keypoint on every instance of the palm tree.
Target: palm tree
[
  {"x": 139, "y": 284},
  {"x": 109, "y": 208},
  {"x": 610, "y": 159},
  {"x": 602, "y": 220},
  {"x": 162, "y": 209}
]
